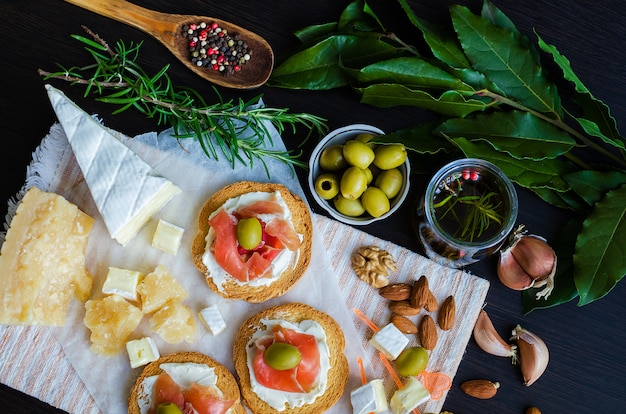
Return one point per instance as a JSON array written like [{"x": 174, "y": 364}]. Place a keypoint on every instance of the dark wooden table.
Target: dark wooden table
[{"x": 586, "y": 370}]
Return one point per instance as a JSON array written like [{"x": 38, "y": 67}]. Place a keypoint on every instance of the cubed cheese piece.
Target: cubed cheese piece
[
  {"x": 213, "y": 319},
  {"x": 123, "y": 282},
  {"x": 111, "y": 320},
  {"x": 408, "y": 397},
  {"x": 390, "y": 341},
  {"x": 369, "y": 398},
  {"x": 158, "y": 288},
  {"x": 175, "y": 323},
  {"x": 142, "y": 351},
  {"x": 42, "y": 261},
  {"x": 167, "y": 237}
]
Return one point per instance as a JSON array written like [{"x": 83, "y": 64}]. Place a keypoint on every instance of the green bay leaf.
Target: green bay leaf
[
  {"x": 593, "y": 185},
  {"x": 320, "y": 66},
  {"x": 596, "y": 120},
  {"x": 498, "y": 53},
  {"x": 517, "y": 133},
  {"x": 450, "y": 103},
  {"x": 600, "y": 255},
  {"x": 412, "y": 72}
]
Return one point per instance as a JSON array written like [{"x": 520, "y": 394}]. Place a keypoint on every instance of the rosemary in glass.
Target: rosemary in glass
[{"x": 238, "y": 130}]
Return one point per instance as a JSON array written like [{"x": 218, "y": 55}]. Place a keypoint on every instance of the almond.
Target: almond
[
  {"x": 420, "y": 292},
  {"x": 404, "y": 308},
  {"x": 427, "y": 333},
  {"x": 533, "y": 410},
  {"x": 431, "y": 304},
  {"x": 447, "y": 313},
  {"x": 480, "y": 388},
  {"x": 396, "y": 291},
  {"x": 404, "y": 324}
]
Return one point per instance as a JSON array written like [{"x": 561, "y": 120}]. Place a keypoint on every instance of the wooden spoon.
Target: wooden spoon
[{"x": 167, "y": 28}]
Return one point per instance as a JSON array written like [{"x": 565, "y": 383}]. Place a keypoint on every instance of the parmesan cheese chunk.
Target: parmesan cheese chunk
[
  {"x": 111, "y": 320},
  {"x": 42, "y": 261},
  {"x": 158, "y": 288},
  {"x": 174, "y": 323}
]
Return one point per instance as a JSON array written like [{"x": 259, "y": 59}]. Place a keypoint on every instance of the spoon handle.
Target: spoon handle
[{"x": 160, "y": 25}]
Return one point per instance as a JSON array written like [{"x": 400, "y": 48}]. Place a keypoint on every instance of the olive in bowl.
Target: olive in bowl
[{"x": 356, "y": 180}]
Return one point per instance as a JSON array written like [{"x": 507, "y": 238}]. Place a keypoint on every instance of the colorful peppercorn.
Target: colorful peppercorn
[{"x": 213, "y": 47}]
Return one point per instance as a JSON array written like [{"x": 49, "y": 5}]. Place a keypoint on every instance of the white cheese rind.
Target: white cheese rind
[
  {"x": 390, "y": 341},
  {"x": 212, "y": 319},
  {"x": 369, "y": 398},
  {"x": 126, "y": 190},
  {"x": 123, "y": 282},
  {"x": 142, "y": 351},
  {"x": 408, "y": 397},
  {"x": 167, "y": 237}
]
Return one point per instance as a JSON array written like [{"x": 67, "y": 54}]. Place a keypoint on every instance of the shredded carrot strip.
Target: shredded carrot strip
[
  {"x": 436, "y": 383},
  {"x": 361, "y": 370},
  {"x": 365, "y": 319},
  {"x": 392, "y": 371}
]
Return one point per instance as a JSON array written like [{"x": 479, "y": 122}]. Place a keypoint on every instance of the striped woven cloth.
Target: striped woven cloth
[{"x": 39, "y": 360}]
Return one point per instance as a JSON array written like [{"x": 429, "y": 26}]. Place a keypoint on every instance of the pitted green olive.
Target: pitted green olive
[
  {"x": 249, "y": 232},
  {"x": 358, "y": 153},
  {"x": 389, "y": 156},
  {"x": 353, "y": 183},
  {"x": 327, "y": 186},
  {"x": 412, "y": 361},
  {"x": 375, "y": 202},
  {"x": 351, "y": 208},
  {"x": 390, "y": 181},
  {"x": 331, "y": 158},
  {"x": 168, "y": 408},
  {"x": 282, "y": 356}
]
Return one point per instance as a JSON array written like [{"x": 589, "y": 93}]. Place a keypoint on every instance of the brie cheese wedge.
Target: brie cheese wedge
[{"x": 127, "y": 191}]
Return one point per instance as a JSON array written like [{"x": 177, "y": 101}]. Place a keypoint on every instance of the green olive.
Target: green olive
[
  {"x": 375, "y": 202},
  {"x": 351, "y": 208},
  {"x": 353, "y": 183},
  {"x": 389, "y": 156},
  {"x": 327, "y": 186},
  {"x": 369, "y": 175},
  {"x": 168, "y": 408},
  {"x": 282, "y": 356},
  {"x": 390, "y": 181},
  {"x": 412, "y": 361},
  {"x": 366, "y": 138},
  {"x": 358, "y": 153},
  {"x": 331, "y": 158},
  {"x": 249, "y": 232}
]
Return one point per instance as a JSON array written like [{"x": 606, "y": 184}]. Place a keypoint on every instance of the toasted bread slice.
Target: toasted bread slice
[
  {"x": 301, "y": 218},
  {"x": 225, "y": 380},
  {"x": 293, "y": 312}
]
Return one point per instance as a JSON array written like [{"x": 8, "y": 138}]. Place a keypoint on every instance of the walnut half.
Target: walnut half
[{"x": 372, "y": 265}]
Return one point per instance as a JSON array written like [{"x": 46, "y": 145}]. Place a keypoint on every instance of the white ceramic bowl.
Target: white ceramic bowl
[{"x": 339, "y": 136}]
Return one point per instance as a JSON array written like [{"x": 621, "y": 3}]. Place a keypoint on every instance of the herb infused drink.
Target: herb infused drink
[{"x": 468, "y": 210}]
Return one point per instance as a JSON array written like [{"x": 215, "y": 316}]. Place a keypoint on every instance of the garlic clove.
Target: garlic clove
[
  {"x": 533, "y": 354},
  {"x": 490, "y": 341},
  {"x": 528, "y": 261}
]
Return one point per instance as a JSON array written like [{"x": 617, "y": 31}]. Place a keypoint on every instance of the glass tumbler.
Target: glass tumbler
[{"x": 467, "y": 212}]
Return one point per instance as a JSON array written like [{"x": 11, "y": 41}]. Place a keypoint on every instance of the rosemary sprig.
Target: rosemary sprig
[
  {"x": 238, "y": 130},
  {"x": 481, "y": 212}
]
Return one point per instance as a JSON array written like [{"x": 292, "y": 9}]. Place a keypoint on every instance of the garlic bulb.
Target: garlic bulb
[
  {"x": 528, "y": 261},
  {"x": 490, "y": 341},
  {"x": 533, "y": 354}
]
